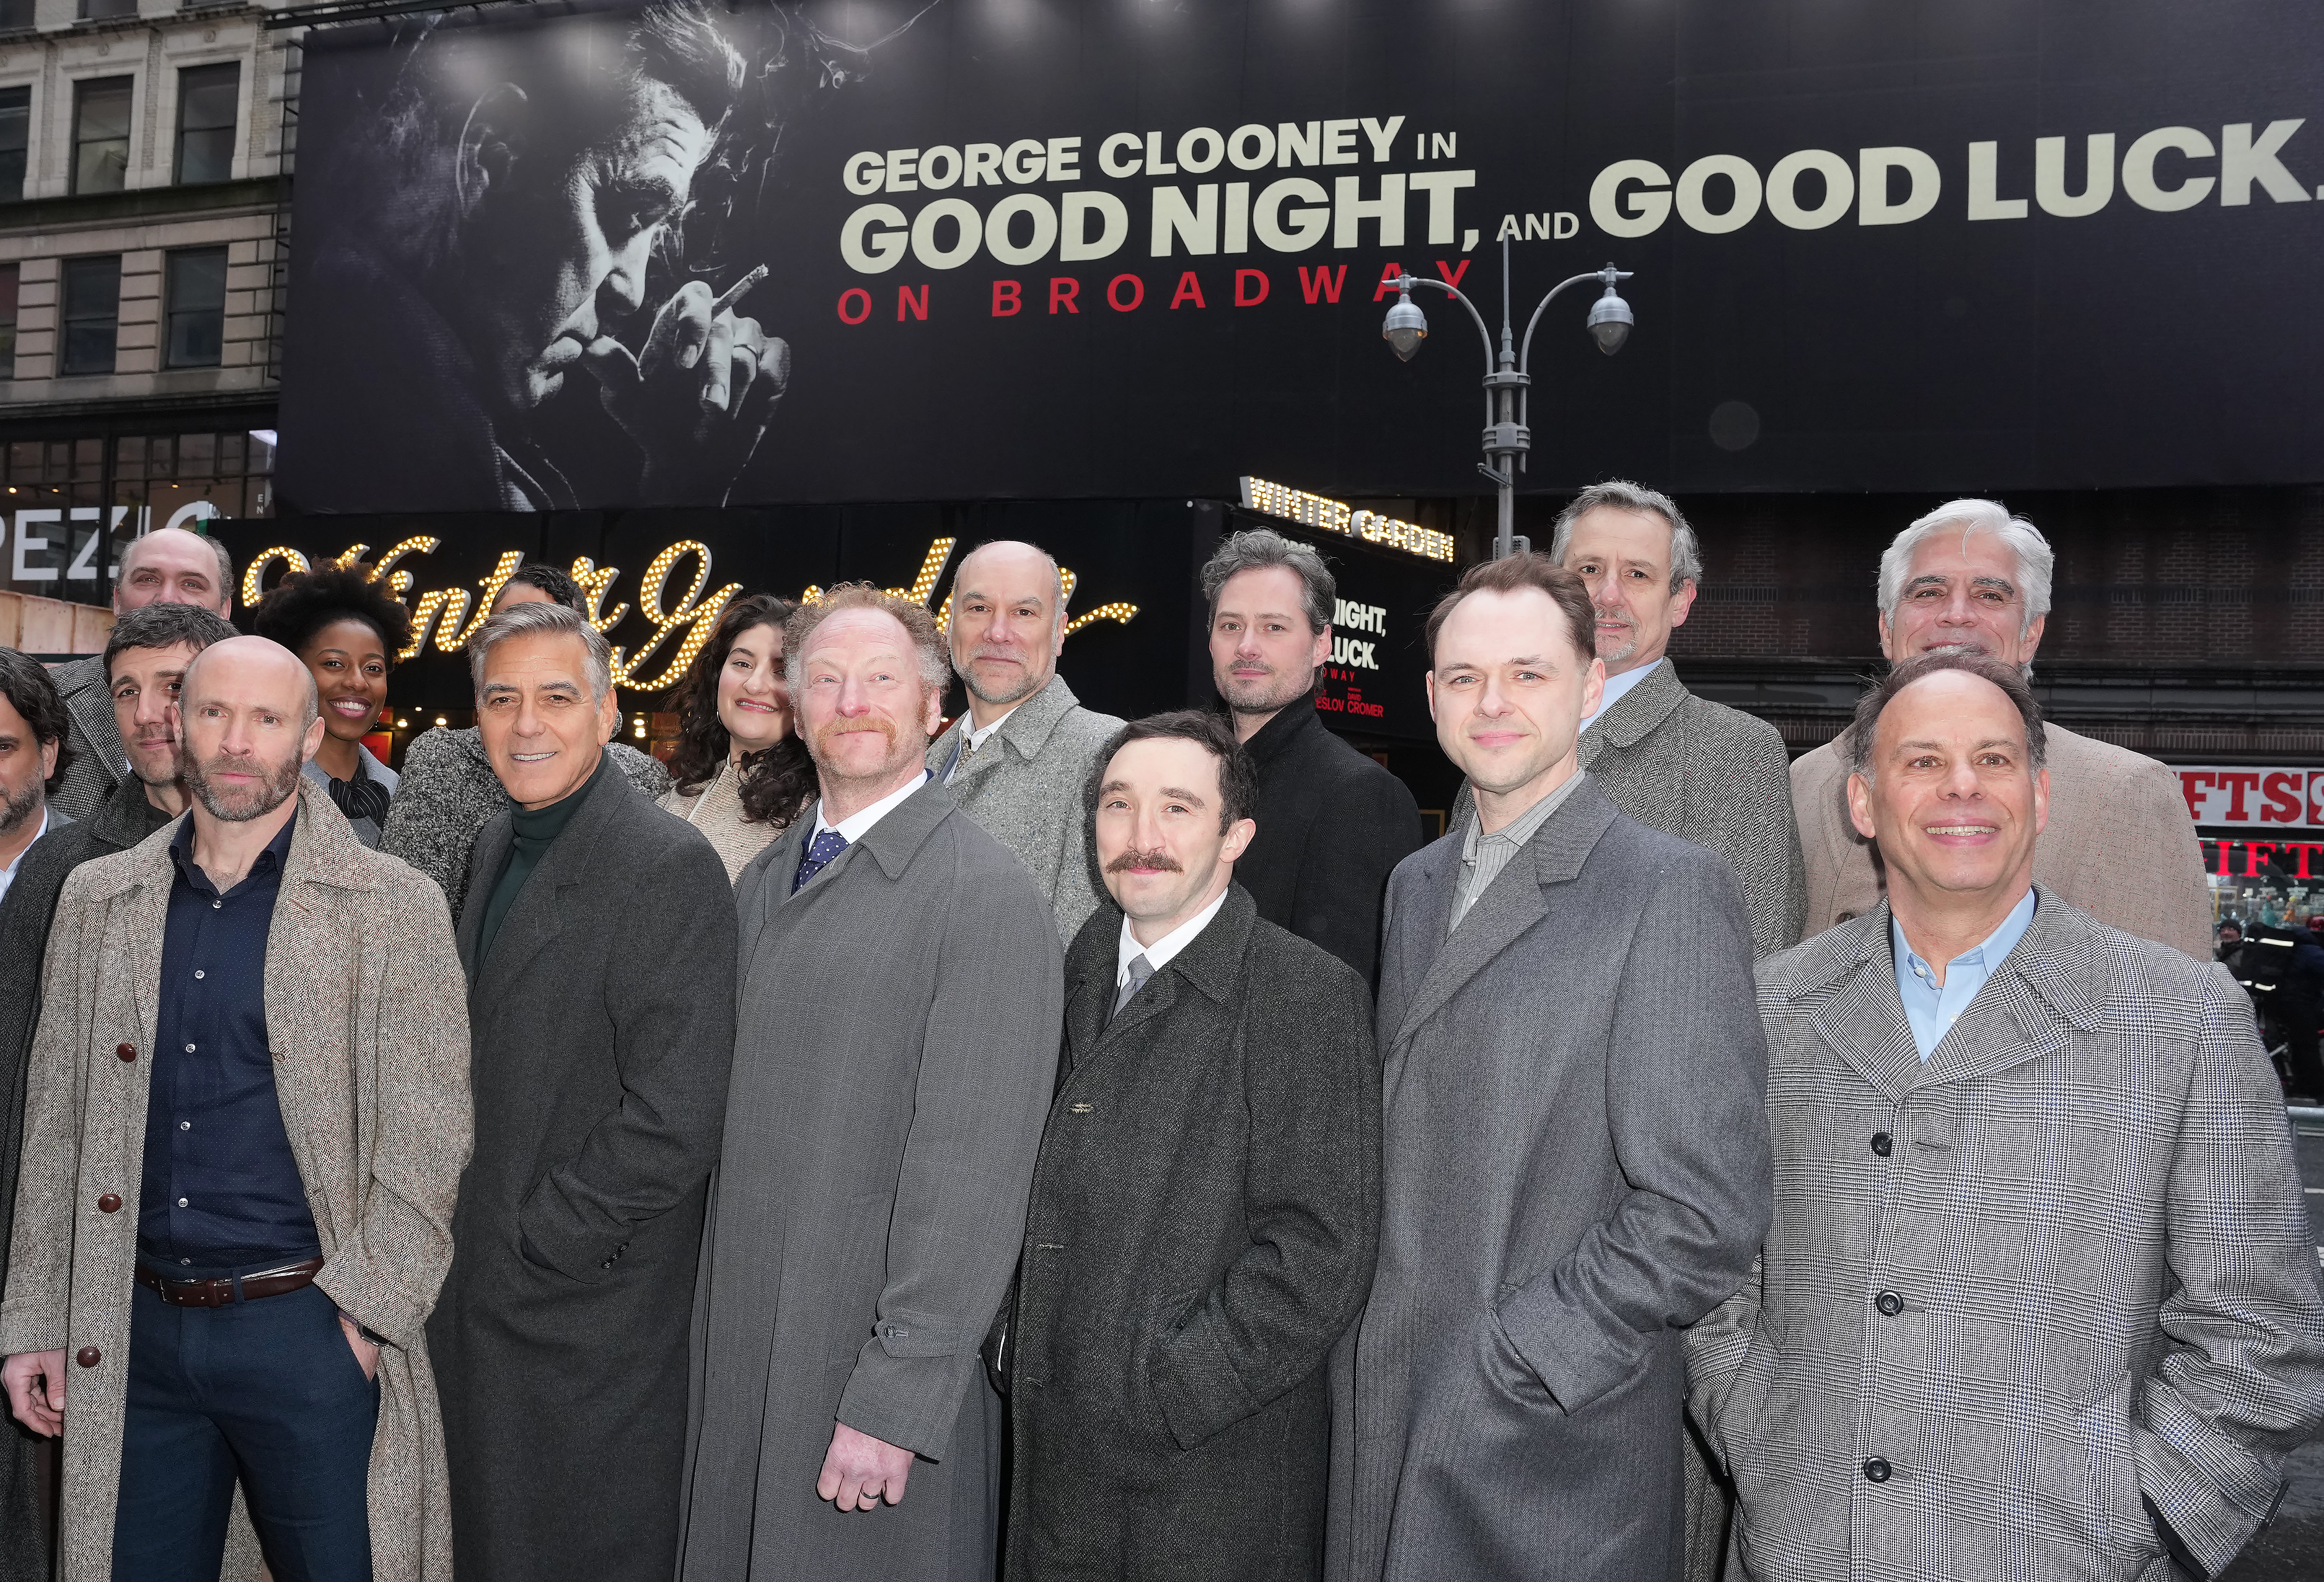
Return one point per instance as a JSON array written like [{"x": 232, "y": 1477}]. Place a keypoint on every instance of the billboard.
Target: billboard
[{"x": 959, "y": 249}]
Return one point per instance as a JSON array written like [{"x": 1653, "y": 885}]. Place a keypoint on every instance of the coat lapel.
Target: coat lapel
[
  {"x": 1513, "y": 903},
  {"x": 1636, "y": 714},
  {"x": 2042, "y": 994},
  {"x": 539, "y": 914},
  {"x": 484, "y": 860},
  {"x": 1853, "y": 1003}
]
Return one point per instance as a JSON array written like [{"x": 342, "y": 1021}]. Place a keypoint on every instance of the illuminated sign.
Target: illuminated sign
[
  {"x": 2261, "y": 859},
  {"x": 2260, "y": 797},
  {"x": 1332, "y": 516},
  {"x": 453, "y": 615}
]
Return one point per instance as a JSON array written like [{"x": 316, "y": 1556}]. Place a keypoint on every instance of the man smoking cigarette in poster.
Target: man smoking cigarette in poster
[{"x": 534, "y": 190}]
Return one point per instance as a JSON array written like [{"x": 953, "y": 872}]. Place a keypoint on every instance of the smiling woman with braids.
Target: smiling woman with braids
[
  {"x": 740, "y": 773},
  {"x": 346, "y": 631}
]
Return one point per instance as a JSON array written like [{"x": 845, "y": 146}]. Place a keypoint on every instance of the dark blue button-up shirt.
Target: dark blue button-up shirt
[{"x": 221, "y": 1187}]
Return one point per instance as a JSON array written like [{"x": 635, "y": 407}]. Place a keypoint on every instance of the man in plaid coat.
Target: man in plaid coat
[{"x": 2039, "y": 1300}]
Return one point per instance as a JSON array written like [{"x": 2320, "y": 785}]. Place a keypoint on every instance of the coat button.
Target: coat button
[
  {"x": 1876, "y": 1471},
  {"x": 109, "y": 1204},
  {"x": 127, "y": 1051},
  {"x": 89, "y": 1356},
  {"x": 1881, "y": 1143},
  {"x": 1890, "y": 1303}
]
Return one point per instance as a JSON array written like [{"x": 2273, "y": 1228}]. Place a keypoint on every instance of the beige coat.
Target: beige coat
[
  {"x": 372, "y": 1052},
  {"x": 2120, "y": 843},
  {"x": 717, "y": 810}
]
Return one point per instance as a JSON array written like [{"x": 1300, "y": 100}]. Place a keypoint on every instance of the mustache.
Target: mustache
[
  {"x": 833, "y": 730},
  {"x": 1157, "y": 859}
]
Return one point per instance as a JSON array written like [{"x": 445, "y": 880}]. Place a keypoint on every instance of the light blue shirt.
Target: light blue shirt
[
  {"x": 1619, "y": 688},
  {"x": 1933, "y": 1011}
]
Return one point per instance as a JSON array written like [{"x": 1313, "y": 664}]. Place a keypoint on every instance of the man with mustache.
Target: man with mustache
[
  {"x": 1970, "y": 577},
  {"x": 895, "y": 1043},
  {"x": 1206, "y": 1204},
  {"x": 248, "y": 1112},
  {"x": 1017, "y": 760},
  {"x": 598, "y": 942},
  {"x": 1332, "y": 822},
  {"x": 2039, "y": 1299}
]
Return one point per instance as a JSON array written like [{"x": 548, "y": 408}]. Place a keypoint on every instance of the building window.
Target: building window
[
  {"x": 9, "y": 276},
  {"x": 15, "y": 15},
  {"x": 196, "y": 304},
  {"x": 206, "y": 112},
  {"x": 15, "y": 138},
  {"x": 101, "y": 135},
  {"x": 92, "y": 314},
  {"x": 98, "y": 10}
]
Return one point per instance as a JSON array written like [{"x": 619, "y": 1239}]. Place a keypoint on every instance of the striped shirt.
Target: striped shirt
[{"x": 1483, "y": 857}]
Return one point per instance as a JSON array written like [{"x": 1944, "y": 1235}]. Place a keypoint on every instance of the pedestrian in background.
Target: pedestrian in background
[
  {"x": 2039, "y": 1299},
  {"x": 895, "y": 1049},
  {"x": 1206, "y": 1205},
  {"x": 447, "y": 791},
  {"x": 1332, "y": 822},
  {"x": 348, "y": 633},
  {"x": 249, "y": 1110},
  {"x": 740, "y": 774},
  {"x": 1019, "y": 760},
  {"x": 599, "y": 952}
]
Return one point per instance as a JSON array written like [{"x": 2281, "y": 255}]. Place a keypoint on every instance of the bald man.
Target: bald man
[
  {"x": 247, "y": 1119},
  {"x": 169, "y": 566},
  {"x": 1016, "y": 761}
]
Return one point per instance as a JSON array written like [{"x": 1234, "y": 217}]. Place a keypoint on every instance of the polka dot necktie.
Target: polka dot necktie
[{"x": 820, "y": 855}]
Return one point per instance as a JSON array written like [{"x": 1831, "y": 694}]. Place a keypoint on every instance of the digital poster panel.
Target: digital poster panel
[{"x": 676, "y": 256}]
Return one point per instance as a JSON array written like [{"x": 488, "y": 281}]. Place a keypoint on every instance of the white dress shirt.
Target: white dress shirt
[
  {"x": 858, "y": 824},
  {"x": 8, "y": 873},
  {"x": 1159, "y": 953}
]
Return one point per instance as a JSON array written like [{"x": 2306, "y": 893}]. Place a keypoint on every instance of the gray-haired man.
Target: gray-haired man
[
  {"x": 599, "y": 948},
  {"x": 168, "y": 566},
  {"x": 1016, "y": 761},
  {"x": 1970, "y": 576},
  {"x": 1332, "y": 822}
]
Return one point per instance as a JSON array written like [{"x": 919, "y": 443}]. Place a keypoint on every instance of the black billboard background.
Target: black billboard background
[{"x": 2124, "y": 347}]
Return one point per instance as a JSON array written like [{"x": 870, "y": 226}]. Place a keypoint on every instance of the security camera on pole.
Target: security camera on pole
[{"x": 1508, "y": 437}]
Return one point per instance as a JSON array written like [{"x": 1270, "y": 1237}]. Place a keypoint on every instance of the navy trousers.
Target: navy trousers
[{"x": 267, "y": 1393}]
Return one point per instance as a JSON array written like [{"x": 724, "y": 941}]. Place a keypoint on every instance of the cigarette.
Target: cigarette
[{"x": 736, "y": 292}]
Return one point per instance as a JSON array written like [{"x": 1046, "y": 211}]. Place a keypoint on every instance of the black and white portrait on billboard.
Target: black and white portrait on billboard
[{"x": 547, "y": 312}]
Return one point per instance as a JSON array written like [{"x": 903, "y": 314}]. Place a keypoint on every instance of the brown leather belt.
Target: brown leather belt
[{"x": 220, "y": 1293}]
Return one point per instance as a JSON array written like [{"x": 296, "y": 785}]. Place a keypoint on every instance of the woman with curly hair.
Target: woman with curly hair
[
  {"x": 740, "y": 773},
  {"x": 346, "y": 631}
]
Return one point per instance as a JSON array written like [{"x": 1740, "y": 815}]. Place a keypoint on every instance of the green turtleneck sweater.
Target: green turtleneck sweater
[{"x": 536, "y": 829}]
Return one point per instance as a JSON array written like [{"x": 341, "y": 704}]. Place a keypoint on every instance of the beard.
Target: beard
[
  {"x": 1028, "y": 683},
  {"x": 1265, "y": 694},
  {"x": 821, "y": 745},
  {"x": 1614, "y": 656},
  {"x": 240, "y": 804},
  {"x": 17, "y": 810}
]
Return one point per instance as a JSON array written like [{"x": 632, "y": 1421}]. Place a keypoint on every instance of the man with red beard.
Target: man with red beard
[{"x": 897, "y": 1037}]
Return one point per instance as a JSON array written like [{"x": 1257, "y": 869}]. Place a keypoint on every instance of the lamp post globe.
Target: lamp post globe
[
  {"x": 1611, "y": 321},
  {"x": 1406, "y": 326}
]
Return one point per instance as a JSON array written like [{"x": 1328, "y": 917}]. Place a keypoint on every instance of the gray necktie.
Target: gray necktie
[{"x": 1139, "y": 970}]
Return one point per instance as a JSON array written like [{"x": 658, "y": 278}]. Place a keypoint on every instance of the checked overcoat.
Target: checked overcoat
[{"x": 2015, "y": 1294}]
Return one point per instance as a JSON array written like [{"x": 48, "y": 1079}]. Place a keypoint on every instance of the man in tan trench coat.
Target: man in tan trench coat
[{"x": 369, "y": 1060}]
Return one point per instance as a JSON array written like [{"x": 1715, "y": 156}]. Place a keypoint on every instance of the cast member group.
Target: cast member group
[{"x": 1050, "y": 1146}]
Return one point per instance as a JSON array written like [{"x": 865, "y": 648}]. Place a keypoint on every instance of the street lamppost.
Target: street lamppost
[{"x": 1508, "y": 383}]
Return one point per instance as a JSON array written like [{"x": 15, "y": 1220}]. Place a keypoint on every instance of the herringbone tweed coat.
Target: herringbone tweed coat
[
  {"x": 1024, "y": 787},
  {"x": 98, "y": 761},
  {"x": 372, "y": 1070},
  {"x": 2061, "y": 1266},
  {"x": 1707, "y": 773}
]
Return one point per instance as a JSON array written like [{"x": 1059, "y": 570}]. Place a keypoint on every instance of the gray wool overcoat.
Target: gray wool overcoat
[
  {"x": 604, "y": 1024},
  {"x": 1201, "y": 1235},
  {"x": 1575, "y": 1170},
  {"x": 372, "y": 1070},
  {"x": 2060, "y": 1268},
  {"x": 896, "y": 1051}
]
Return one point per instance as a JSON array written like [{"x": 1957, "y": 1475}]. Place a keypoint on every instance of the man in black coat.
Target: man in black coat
[
  {"x": 1206, "y": 1204},
  {"x": 143, "y": 661},
  {"x": 1332, "y": 822},
  {"x": 599, "y": 940}
]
